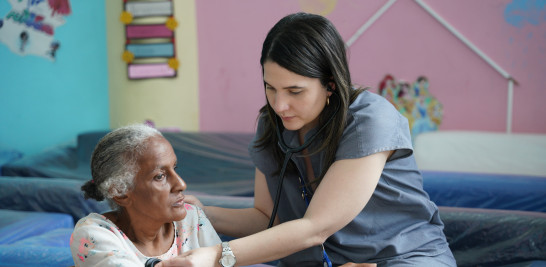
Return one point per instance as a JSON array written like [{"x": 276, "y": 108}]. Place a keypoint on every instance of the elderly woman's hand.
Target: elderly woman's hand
[
  {"x": 206, "y": 257},
  {"x": 191, "y": 199}
]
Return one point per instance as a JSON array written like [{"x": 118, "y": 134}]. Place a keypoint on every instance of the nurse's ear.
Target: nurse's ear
[{"x": 330, "y": 87}]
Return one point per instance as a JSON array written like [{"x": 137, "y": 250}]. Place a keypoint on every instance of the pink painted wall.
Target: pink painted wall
[{"x": 406, "y": 42}]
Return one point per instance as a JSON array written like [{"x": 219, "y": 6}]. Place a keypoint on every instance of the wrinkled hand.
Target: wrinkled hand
[
  {"x": 352, "y": 264},
  {"x": 191, "y": 199},
  {"x": 206, "y": 257}
]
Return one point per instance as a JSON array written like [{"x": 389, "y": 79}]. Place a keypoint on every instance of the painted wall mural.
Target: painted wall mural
[
  {"x": 520, "y": 12},
  {"x": 415, "y": 102},
  {"x": 29, "y": 27}
]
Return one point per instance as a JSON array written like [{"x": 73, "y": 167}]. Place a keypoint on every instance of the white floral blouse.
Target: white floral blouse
[{"x": 97, "y": 241}]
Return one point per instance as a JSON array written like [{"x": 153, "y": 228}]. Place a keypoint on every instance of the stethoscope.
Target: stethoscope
[{"x": 288, "y": 152}]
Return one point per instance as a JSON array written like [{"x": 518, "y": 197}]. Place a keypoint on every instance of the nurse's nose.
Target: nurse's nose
[{"x": 281, "y": 103}]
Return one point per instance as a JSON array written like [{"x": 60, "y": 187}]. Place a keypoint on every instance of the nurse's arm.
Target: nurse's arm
[
  {"x": 342, "y": 194},
  {"x": 243, "y": 222}
]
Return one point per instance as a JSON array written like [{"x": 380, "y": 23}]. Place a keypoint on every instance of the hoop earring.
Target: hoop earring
[{"x": 327, "y": 101}]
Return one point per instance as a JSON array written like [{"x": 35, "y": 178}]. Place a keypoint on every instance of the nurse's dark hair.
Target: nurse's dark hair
[
  {"x": 309, "y": 45},
  {"x": 114, "y": 162}
]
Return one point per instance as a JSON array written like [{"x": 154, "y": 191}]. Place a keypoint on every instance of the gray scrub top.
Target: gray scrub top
[{"x": 399, "y": 220}]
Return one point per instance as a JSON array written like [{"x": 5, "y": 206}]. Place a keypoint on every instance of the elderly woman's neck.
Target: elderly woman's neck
[{"x": 145, "y": 234}]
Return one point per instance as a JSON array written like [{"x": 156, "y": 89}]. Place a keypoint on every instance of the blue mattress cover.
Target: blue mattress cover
[
  {"x": 491, "y": 191},
  {"x": 488, "y": 237},
  {"x": 475, "y": 235},
  {"x": 57, "y": 195},
  {"x": 65, "y": 196},
  {"x": 18, "y": 225},
  {"x": 49, "y": 249}
]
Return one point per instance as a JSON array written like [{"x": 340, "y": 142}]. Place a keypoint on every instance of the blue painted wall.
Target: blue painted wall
[{"x": 45, "y": 103}]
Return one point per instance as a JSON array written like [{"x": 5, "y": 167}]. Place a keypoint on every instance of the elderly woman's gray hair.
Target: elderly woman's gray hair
[{"x": 114, "y": 162}]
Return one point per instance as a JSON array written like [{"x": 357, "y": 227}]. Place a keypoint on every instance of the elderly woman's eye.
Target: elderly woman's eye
[{"x": 160, "y": 176}]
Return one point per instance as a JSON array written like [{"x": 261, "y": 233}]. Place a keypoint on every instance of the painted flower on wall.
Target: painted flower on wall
[
  {"x": 173, "y": 63},
  {"x": 126, "y": 17},
  {"x": 128, "y": 56},
  {"x": 171, "y": 23}
]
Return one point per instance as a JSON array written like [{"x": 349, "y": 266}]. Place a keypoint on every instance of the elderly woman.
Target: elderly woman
[{"x": 133, "y": 168}]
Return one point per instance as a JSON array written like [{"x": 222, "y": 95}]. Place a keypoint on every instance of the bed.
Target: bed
[{"x": 217, "y": 168}]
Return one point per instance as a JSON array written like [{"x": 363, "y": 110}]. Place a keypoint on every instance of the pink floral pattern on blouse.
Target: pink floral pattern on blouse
[{"x": 98, "y": 241}]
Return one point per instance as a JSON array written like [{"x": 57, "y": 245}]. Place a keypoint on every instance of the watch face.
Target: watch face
[{"x": 228, "y": 260}]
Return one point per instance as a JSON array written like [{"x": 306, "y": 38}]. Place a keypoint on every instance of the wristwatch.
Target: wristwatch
[{"x": 227, "y": 259}]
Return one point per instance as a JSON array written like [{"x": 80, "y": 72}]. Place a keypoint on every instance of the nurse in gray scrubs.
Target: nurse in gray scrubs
[{"x": 351, "y": 190}]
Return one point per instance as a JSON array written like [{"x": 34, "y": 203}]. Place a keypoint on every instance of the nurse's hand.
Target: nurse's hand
[
  {"x": 352, "y": 264},
  {"x": 191, "y": 199}
]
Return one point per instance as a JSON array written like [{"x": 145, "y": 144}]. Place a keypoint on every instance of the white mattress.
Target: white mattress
[{"x": 482, "y": 152}]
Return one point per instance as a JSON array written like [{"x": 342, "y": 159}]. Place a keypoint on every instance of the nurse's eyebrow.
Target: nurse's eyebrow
[
  {"x": 294, "y": 87},
  {"x": 287, "y": 87}
]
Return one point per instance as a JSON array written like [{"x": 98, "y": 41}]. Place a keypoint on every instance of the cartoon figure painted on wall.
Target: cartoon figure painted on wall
[
  {"x": 414, "y": 101},
  {"x": 389, "y": 89},
  {"x": 29, "y": 27}
]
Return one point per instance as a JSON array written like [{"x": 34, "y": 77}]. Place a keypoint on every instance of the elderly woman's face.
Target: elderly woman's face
[{"x": 158, "y": 188}]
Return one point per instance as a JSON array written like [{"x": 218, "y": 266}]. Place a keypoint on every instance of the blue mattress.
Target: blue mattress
[
  {"x": 48, "y": 249},
  {"x": 18, "y": 225},
  {"x": 488, "y": 237},
  {"x": 475, "y": 235},
  {"x": 486, "y": 191},
  {"x": 56, "y": 195},
  {"x": 61, "y": 195}
]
